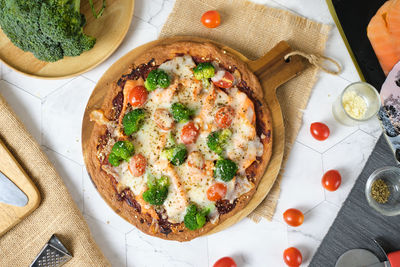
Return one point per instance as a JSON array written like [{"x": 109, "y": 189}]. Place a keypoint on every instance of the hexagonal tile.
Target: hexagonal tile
[
  {"x": 372, "y": 127},
  {"x": 145, "y": 10},
  {"x": 62, "y": 118},
  {"x": 319, "y": 12},
  {"x": 70, "y": 172},
  {"x": 96, "y": 207},
  {"x": 307, "y": 245},
  {"x": 250, "y": 244},
  {"x": 139, "y": 33},
  {"x": 300, "y": 186},
  {"x": 145, "y": 250},
  {"x": 26, "y": 106},
  {"x": 34, "y": 86},
  {"x": 110, "y": 241},
  {"x": 348, "y": 157},
  {"x": 319, "y": 109},
  {"x": 317, "y": 221}
]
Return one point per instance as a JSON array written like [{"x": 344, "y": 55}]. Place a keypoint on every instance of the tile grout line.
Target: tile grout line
[
  {"x": 29, "y": 93},
  {"x": 62, "y": 155}
]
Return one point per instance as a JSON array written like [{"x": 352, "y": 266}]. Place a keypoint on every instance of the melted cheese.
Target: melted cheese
[{"x": 188, "y": 184}]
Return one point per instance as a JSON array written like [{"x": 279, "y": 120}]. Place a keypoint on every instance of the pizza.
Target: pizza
[{"x": 181, "y": 141}]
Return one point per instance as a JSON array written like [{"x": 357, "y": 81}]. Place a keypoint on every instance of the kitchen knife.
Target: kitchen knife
[{"x": 10, "y": 193}]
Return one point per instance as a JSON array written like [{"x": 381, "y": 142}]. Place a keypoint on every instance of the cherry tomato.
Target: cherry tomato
[
  {"x": 319, "y": 131},
  {"x": 163, "y": 119},
  {"x": 189, "y": 133},
  {"x": 292, "y": 257},
  {"x": 224, "y": 116},
  {"x": 225, "y": 262},
  {"x": 331, "y": 180},
  {"x": 137, "y": 165},
  {"x": 211, "y": 19},
  {"x": 293, "y": 217},
  {"x": 216, "y": 192},
  {"x": 223, "y": 79},
  {"x": 137, "y": 96}
]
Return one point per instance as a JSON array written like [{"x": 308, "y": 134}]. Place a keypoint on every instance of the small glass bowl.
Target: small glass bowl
[
  {"x": 391, "y": 176},
  {"x": 370, "y": 96}
]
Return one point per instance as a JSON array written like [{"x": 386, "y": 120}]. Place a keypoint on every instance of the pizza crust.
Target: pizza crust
[{"x": 106, "y": 184}]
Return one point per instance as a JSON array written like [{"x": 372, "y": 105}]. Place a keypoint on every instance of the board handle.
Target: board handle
[{"x": 273, "y": 70}]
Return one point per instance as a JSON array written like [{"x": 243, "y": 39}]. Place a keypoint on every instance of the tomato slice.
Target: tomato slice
[
  {"x": 224, "y": 116},
  {"x": 293, "y": 217},
  {"x": 225, "y": 262},
  {"x": 216, "y": 192},
  {"x": 319, "y": 131},
  {"x": 211, "y": 19},
  {"x": 223, "y": 79},
  {"x": 292, "y": 257},
  {"x": 137, "y": 165},
  {"x": 137, "y": 96},
  {"x": 331, "y": 180},
  {"x": 189, "y": 133}
]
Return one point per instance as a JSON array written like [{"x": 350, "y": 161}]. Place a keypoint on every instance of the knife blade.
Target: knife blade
[{"x": 10, "y": 193}]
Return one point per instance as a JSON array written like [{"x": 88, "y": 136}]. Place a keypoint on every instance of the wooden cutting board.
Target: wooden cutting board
[
  {"x": 11, "y": 215},
  {"x": 272, "y": 71}
]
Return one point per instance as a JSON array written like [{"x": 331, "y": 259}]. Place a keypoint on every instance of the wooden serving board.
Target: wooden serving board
[
  {"x": 11, "y": 215},
  {"x": 272, "y": 71},
  {"x": 109, "y": 30}
]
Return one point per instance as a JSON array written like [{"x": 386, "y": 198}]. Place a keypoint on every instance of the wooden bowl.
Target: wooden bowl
[
  {"x": 109, "y": 30},
  {"x": 272, "y": 71}
]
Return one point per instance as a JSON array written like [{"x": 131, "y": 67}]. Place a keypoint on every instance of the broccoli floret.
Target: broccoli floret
[
  {"x": 204, "y": 70},
  {"x": 157, "y": 78},
  {"x": 217, "y": 140},
  {"x": 122, "y": 150},
  {"x": 133, "y": 120},
  {"x": 158, "y": 190},
  {"x": 195, "y": 218},
  {"x": 225, "y": 170},
  {"x": 180, "y": 112},
  {"x": 176, "y": 154},
  {"x": 49, "y": 29}
]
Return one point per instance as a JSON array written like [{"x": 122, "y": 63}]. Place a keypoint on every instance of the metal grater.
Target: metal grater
[{"x": 53, "y": 254}]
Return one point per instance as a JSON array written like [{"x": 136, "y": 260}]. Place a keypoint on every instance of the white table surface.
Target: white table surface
[{"x": 52, "y": 112}]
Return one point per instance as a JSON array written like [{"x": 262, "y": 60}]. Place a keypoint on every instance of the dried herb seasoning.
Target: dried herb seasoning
[{"x": 380, "y": 191}]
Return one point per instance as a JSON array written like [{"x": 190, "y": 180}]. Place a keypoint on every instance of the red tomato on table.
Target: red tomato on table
[
  {"x": 319, "y": 131},
  {"x": 225, "y": 262},
  {"x": 292, "y": 257},
  {"x": 211, "y": 19},
  {"x": 331, "y": 180},
  {"x": 293, "y": 217},
  {"x": 137, "y": 96}
]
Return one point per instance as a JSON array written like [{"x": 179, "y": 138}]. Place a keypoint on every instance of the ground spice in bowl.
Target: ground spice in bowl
[{"x": 380, "y": 191}]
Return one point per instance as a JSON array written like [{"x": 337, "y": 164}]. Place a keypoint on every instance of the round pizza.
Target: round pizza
[{"x": 181, "y": 141}]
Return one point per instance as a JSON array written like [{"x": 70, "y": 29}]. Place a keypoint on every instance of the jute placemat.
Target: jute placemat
[
  {"x": 254, "y": 29},
  {"x": 57, "y": 212}
]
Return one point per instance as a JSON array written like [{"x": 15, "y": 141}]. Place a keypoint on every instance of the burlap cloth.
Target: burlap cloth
[
  {"x": 251, "y": 29},
  {"x": 254, "y": 29},
  {"x": 57, "y": 212}
]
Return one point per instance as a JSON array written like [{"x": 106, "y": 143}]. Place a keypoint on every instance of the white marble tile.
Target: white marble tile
[
  {"x": 319, "y": 109},
  {"x": 144, "y": 250},
  {"x": 26, "y": 106},
  {"x": 71, "y": 174},
  {"x": 96, "y": 207},
  {"x": 348, "y": 157},
  {"x": 139, "y": 33},
  {"x": 62, "y": 118},
  {"x": 250, "y": 244},
  {"x": 307, "y": 244},
  {"x": 317, "y": 221},
  {"x": 372, "y": 127},
  {"x": 110, "y": 241},
  {"x": 301, "y": 185},
  {"x": 34, "y": 86}
]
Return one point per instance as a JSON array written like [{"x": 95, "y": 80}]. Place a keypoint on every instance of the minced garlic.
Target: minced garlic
[{"x": 354, "y": 104}]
